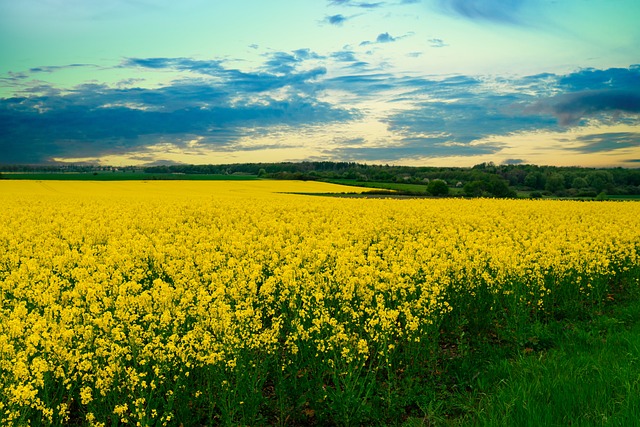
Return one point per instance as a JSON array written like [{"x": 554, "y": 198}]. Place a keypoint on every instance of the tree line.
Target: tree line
[
  {"x": 485, "y": 179},
  {"x": 482, "y": 180}
]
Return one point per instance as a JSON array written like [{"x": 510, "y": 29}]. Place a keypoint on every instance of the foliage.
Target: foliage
[
  {"x": 555, "y": 183},
  {"x": 437, "y": 187}
]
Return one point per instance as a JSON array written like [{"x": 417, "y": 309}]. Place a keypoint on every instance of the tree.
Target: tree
[
  {"x": 600, "y": 180},
  {"x": 555, "y": 183},
  {"x": 499, "y": 188},
  {"x": 579, "y": 183},
  {"x": 534, "y": 180},
  {"x": 473, "y": 188},
  {"x": 438, "y": 187}
]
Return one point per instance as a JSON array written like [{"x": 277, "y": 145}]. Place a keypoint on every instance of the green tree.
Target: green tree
[
  {"x": 473, "y": 189},
  {"x": 555, "y": 183},
  {"x": 534, "y": 180},
  {"x": 499, "y": 187},
  {"x": 579, "y": 183},
  {"x": 600, "y": 180},
  {"x": 438, "y": 187}
]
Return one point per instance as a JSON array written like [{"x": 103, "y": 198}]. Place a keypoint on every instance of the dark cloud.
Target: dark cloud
[
  {"x": 209, "y": 67},
  {"x": 92, "y": 120},
  {"x": 593, "y": 79},
  {"x": 605, "y": 142},
  {"x": 502, "y": 11},
  {"x": 336, "y": 19},
  {"x": 281, "y": 63},
  {"x": 279, "y": 70},
  {"x": 306, "y": 54},
  {"x": 385, "y": 38},
  {"x": 78, "y": 130},
  {"x": 382, "y": 38},
  {"x": 514, "y": 162},
  {"x": 570, "y": 108},
  {"x": 369, "y": 5}
]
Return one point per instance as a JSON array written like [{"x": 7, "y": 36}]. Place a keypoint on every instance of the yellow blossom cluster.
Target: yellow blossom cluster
[{"x": 118, "y": 299}]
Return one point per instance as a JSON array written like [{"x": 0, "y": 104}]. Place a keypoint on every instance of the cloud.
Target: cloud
[
  {"x": 570, "y": 108},
  {"x": 92, "y": 120},
  {"x": 463, "y": 121},
  {"x": 513, "y": 162},
  {"x": 306, "y": 54},
  {"x": 412, "y": 148},
  {"x": 351, "y": 3},
  {"x": 441, "y": 117},
  {"x": 280, "y": 70},
  {"x": 54, "y": 68},
  {"x": 75, "y": 129},
  {"x": 344, "y": 56},
  {"x": 209, "y": 67},
  {"x": 437, "y": 43},
  {"x": 593, "y": 79},
  {"x": 606, "y": 142},
  {"x": 350, "y": 60},
  {"x": 500, "y": 11},
  {"x": 230, "y": 109},
  {"x": 369, "y": 5},
  {"x": 385, "y": 38},
  {"x": 336, "y": 19},
  {"x": 281, "y": 63}
]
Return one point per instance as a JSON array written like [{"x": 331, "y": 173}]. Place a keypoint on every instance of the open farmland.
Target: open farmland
[{"x": 206, "y": 303}]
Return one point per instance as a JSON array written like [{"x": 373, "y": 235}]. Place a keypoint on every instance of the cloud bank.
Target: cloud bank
[
  {"x": 225, "y": 108},
  {"x": 570, "y": 108}
]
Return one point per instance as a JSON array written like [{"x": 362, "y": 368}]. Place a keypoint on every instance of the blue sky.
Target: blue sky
[{"x": 413, "y": 82}]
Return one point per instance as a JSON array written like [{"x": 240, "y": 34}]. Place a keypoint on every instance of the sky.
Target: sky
[{"x": 403, "y": 82}]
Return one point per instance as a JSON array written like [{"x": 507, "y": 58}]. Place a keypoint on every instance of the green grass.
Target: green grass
[
  {"x": 578, "y": 373},
  {"x": 120, "y": 176},
  {"x": 590, "y": 378},
  {"x": 396, "y": 186}
]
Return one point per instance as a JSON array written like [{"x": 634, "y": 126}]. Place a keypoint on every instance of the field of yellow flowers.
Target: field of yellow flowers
[{"x": 226, "y": 303}]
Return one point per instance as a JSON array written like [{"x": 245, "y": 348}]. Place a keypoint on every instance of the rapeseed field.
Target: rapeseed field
[{"x": 240, "y": 303}]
